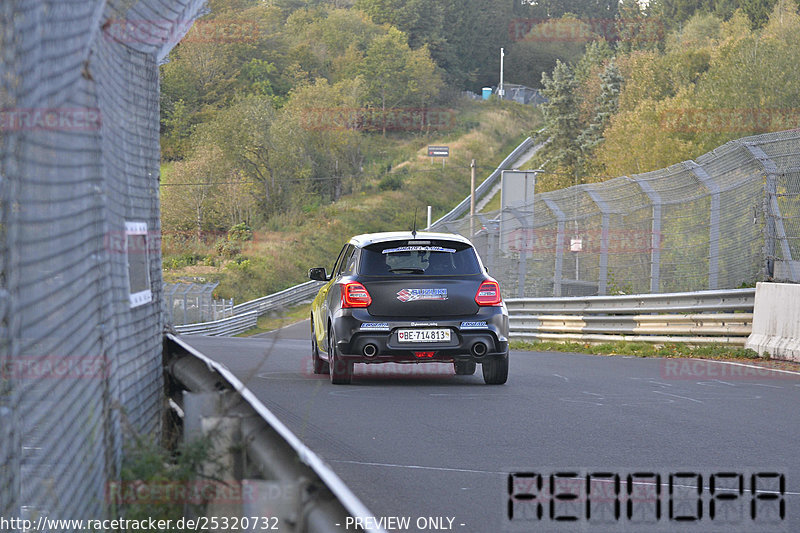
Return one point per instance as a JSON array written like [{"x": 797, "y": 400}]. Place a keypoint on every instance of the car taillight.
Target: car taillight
[
  {"x": 355, "y": 294},
  {"x": 488, "y": 294}
]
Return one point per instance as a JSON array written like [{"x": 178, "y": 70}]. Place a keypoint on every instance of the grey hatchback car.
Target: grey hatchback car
[{"x": 409, "y": 297}]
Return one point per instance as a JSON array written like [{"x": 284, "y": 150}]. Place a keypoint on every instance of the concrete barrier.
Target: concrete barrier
[{"x": 776, "y": 321}]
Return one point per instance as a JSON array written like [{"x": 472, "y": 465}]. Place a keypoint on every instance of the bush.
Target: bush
[
  {"x": 228, "y": 249},
  {"x": 391, "y": 182},
  {"x": 240, "y": 232},
  {"x": 182, "y": 260}
]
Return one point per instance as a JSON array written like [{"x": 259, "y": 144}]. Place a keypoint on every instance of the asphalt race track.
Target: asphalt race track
[{"x": 418, "y": 443}]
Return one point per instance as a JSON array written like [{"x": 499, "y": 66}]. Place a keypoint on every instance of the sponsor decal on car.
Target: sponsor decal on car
[
  {"x": 474, "y": 325},
  {"x": 414, "y": 295},
  {"x": 375, "y": 325}
]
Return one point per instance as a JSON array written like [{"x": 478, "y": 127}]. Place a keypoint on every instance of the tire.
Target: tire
[
  {"x": 320, "y": 366},
  {"x": 464, "y": 368},
  {"x": 495, "y": 370},
  {"x": 341, "y": 371}
]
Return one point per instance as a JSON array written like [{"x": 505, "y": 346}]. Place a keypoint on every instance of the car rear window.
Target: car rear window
[{"x": 421, "y": 257}]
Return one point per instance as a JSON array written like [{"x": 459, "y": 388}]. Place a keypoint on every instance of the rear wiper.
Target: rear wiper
[{"x": 414, "y": 270}]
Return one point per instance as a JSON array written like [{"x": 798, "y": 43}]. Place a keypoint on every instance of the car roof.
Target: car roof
[{"x": 373, "y": 238}]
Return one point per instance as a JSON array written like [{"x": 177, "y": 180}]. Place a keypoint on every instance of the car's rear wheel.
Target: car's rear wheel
[
  {"x": 341, "y": 371},
  {"x": 320, "y": 366},
  {"x": 464, "y": 368},
  {"x": 495, "y": 369}
]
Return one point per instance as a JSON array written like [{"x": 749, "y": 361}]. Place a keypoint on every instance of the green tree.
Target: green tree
[
  {"x": 675, "y": 12},
  {"x": 463, "y": 37},
  {"x": 331, "y": 145},
  {"x": 326, "y": 42},
  {"x": 253, "y": 140},
  {"x": 561, "y": 118},
  {"x": 607, "y": 106},
  {"x": 597, "y": 53},
  {"x": 190, "y": 193},
  {"x": 422, "y": 20},
  {"x": 395, "y": 75}
]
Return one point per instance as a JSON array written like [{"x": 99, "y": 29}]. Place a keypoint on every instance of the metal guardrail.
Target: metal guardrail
[
  {"x": 705, "y": 317},
  {"x": 221, "y": 328},
  {"x": 289, "y": 296},
  {"x": 246, "y": 315},
  {"x": 314, "y": 498}
]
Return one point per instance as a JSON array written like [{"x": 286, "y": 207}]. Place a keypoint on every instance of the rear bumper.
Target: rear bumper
[{"x": 472, "y": 338}]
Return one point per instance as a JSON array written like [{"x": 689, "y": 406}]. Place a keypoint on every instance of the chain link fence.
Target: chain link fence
[
  {"x": 81, "y": 297},
  {"x": 727, "y": 220},
  {"x": 190, "y": 303}
]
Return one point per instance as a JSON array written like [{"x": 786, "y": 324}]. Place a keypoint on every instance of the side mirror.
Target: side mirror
[{"x": 318, "y": 274}]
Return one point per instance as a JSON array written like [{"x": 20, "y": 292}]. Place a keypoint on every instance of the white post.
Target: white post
[
  {"x": 429, "y": 218},
  {"x": 500, "y": 91}
]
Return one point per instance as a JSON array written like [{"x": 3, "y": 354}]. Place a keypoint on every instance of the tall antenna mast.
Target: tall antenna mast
[{"x": 414, "y": 229}]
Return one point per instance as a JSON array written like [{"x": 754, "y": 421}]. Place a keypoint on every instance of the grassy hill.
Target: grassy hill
[{"x": 399, "y": 178}]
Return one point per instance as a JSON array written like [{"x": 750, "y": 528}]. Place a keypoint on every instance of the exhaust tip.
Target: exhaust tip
[
  {"x": 479, "y": 349},
  {"x": 370, "y": 350}
]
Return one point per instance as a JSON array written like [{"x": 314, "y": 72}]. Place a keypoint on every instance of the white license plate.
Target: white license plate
[{"x": 423, "y": 335}]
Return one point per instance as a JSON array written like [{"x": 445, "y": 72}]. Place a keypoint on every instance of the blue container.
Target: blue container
[{"x": 487, "y": 92}]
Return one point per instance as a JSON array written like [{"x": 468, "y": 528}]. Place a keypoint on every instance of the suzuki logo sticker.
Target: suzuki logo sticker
[{"x": 414, "y": 295}]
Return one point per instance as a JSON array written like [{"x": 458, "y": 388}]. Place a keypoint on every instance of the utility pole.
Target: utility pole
[
  {"x": 500, "y": 91},
  {"x": 472, "y": 199}
]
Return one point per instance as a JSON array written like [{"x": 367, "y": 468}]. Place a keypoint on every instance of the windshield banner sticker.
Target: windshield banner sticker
[
  {"x": 419, "y": 249},
  {"x": 415, "y": 295}
]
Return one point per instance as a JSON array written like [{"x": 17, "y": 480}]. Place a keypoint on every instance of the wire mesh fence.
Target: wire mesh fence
[
  {"x": 81, "y": 314},
  {"x": 190, "y": 303},
  {"x": 727, "y": 220}
]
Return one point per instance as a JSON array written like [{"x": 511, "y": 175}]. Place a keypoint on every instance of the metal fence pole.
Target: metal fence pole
[
  {"x": 713, "y": 233},
  {"x": 602, "y": 275},
  {"x": 560, "y": 245},
  {"x": 523, "y": 254},
  {"x": 655, "y": 237},
  {"x": 775, "y": 228}
]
